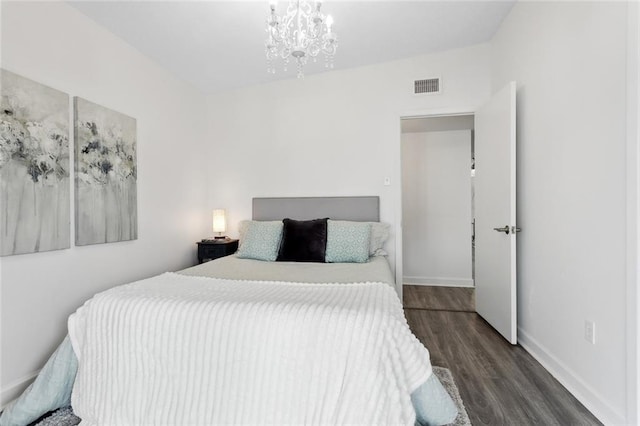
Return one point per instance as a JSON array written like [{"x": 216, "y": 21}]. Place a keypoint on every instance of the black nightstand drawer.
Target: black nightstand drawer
[{"x": 210, "y": 250}]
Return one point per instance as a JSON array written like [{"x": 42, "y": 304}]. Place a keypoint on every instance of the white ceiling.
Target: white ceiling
[{"x": 218, "y": 45}]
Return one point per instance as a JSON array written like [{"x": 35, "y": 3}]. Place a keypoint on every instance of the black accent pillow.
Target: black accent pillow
[{"x": 303, "y": 240}]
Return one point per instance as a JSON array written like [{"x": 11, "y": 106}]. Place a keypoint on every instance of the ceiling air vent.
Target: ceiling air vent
[{"x": 430, "y": 85}]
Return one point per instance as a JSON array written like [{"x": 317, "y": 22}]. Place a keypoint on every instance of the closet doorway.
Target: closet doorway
[{"x": 437, "y": 161}]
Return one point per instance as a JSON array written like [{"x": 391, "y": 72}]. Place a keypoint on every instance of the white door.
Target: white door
[{"x": 495, "y": 197}]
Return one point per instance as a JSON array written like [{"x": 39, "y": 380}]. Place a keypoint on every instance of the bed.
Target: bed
[{"x": 248, "y": 341}]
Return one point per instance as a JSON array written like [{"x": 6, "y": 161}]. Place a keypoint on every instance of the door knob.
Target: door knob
[{"x": 504, "y": 229}]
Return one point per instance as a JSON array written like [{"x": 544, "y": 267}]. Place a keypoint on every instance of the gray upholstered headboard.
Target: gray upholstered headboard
[{"x": 362, "y": 209}]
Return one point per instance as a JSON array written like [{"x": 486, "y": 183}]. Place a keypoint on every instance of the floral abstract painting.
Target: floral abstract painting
[
  {"x": 34, "y": 166},
  {"x": 106, "y": 177}
]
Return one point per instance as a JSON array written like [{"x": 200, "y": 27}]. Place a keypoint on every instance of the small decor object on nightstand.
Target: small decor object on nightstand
[
  {"x": 216, "y": 248},
  {"x": 219, "y": 223}
]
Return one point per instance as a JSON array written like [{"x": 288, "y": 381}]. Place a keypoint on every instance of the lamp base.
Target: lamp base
[{"x": 220, "y": 237}]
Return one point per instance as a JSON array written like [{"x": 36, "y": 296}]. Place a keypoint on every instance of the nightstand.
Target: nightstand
[{"x": 213, "y": 249}]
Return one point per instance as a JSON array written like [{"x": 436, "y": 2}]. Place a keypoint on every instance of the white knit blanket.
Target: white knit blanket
[{"x": 178, "y": 350}]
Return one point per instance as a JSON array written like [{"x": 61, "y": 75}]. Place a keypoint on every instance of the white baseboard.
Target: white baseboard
[
  {"x": 15, "y": 388},
  {"x": 440, "y": 282},
  {"x": 584, "y": 393}
]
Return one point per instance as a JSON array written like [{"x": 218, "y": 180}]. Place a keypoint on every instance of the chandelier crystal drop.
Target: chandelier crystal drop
[{"x": 302, "y": 33}]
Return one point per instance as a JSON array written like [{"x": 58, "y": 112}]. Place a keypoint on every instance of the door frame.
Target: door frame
[{"x": 397, "y": 179}]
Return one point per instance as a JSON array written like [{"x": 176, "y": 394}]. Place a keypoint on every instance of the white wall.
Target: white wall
[
  {"x": 54, "y": 44},
  {"x": 633, "y": 209},
  {"x": 436, "y": 208},
  {"x": 569, "y": 60},
  {"x": 336, "y": 133}
]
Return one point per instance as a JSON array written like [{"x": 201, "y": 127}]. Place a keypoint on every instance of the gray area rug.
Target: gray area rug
[
  {"x": 61, "y": 417},
  {"x": 446, "y": 378},
  {"x": 65, "y": 416}
]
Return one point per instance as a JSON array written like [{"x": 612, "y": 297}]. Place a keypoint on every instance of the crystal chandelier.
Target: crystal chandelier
[{"x": 302, "y": 33}]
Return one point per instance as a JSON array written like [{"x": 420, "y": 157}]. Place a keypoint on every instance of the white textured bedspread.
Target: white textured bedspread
[{"x": 183, "y": 350}]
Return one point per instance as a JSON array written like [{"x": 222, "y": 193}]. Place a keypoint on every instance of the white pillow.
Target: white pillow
[
  {"x": 379, "y": 235},
  {"x": 242, "y": 229}
]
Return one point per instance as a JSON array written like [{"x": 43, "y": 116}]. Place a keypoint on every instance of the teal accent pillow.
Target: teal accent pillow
[
  {"x": 261, "y": 241},
  {"x": 347, "y": 242},
  {"x": 50, "y": 390}
]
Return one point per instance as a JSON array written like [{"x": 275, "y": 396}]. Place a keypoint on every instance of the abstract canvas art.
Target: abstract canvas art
[
  {"x": 106, "y": 176},
  {"x": 34, "y": 166}
]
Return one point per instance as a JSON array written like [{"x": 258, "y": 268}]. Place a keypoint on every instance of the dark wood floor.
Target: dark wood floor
[
  {"x": 500, "y": 384},
  {"x": 439, "y": 298}
]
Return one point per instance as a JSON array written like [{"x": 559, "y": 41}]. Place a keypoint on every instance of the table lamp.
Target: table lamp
[{"x": 219, "y": 223}]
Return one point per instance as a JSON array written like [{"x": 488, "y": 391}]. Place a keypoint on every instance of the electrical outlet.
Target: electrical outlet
[{"x": 590, "y": 332}]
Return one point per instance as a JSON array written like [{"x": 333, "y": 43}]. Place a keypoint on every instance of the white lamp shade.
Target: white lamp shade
[{"x": 219, "y": 220}]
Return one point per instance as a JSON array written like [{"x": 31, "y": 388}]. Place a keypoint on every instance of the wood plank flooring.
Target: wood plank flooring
[
  {"x": 439, "y": 298},
  {"x": 500, "y": 384}
]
